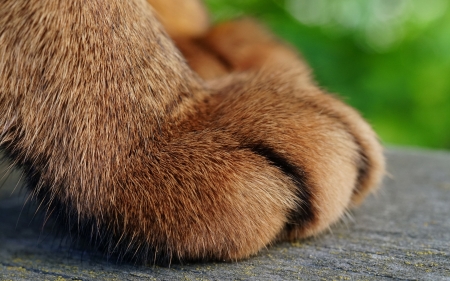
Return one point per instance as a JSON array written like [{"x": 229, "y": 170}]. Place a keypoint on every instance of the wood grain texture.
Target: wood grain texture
[{"x": 403, "y": 233}]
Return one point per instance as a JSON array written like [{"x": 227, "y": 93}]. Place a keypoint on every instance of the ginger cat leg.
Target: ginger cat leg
[{"x": 117, "y": 134}]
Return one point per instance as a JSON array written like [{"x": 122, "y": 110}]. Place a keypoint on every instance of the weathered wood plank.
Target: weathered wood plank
[{"x": 402, "y": 233}]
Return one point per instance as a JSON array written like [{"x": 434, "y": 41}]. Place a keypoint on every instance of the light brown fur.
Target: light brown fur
[{"x": 115, "y": 131}]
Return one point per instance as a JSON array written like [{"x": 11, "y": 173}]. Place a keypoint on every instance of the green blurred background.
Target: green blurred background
[{"x": 388, "y": 58}]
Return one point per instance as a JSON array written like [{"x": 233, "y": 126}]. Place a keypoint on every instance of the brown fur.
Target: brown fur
[{"x": 115, "y": 131}]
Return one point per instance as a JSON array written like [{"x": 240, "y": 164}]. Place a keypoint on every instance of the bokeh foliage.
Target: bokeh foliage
[{"x": 388, "y": 58}]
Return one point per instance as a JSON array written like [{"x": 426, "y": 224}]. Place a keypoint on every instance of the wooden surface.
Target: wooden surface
[{"x": 403, "y": 233}]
